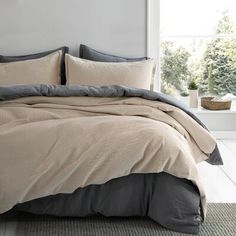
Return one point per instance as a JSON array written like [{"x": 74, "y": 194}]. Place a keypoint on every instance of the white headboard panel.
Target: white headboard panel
[{"x": 115, "y": 26}]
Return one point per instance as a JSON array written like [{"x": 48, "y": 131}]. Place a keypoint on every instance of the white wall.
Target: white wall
[{"x": 115, "y": 26}]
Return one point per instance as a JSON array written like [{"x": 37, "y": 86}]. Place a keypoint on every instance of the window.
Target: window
[{"x": 198, "y": 42}]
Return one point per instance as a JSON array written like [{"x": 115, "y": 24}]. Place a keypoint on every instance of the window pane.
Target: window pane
[
  {"x": 198, "y": 42},
  {"x": 211, "y": 62},
  {"x": 194, "y": 17}
]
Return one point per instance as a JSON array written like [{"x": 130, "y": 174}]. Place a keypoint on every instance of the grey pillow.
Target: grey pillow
[
  {"x": 93, "y": 55},
  {"x": 7, "y": 59}
]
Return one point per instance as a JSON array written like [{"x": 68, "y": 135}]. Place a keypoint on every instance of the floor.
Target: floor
[{"x": 219, "y": 182}]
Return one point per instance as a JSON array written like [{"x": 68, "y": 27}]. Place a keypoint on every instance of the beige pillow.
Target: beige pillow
[
  {"x": 45, "y": 70},
  {"x": 131, "y": 74}
]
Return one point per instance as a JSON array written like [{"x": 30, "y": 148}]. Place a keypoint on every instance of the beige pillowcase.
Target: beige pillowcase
[
  {"x": 131, "y": 74},
  {"x": 45, "y": 70}
]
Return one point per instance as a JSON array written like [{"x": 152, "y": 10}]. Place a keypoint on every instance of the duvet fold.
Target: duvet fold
[{"x": 53, "y": 145}]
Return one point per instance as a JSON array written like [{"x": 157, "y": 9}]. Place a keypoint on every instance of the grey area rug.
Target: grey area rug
[{"x": 221, "y": 221}]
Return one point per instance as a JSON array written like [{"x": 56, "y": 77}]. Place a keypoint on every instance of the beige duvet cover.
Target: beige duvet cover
[{"x": 55, "y": 145}]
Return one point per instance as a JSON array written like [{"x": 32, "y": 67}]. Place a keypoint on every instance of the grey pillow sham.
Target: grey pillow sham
[
  {"x": 93, "y": 55},
  {"x": 64, "y": 50}
]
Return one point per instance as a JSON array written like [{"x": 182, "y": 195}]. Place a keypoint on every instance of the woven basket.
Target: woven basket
[{"x": 215, "y": 105}]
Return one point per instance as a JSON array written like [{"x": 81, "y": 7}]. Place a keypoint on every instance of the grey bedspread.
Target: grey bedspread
[
  {"x": 168, "y": 200},
  {"x": 18, "y": 91},
  {"x": 172, "y": 201}
]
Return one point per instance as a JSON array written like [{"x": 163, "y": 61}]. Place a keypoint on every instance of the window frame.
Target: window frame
[{"x": 153, "y": 37}]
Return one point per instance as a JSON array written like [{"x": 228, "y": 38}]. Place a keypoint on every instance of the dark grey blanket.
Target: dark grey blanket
[
  {"x": 18, "y": 91},
  {"x": 166, "y": 199}
]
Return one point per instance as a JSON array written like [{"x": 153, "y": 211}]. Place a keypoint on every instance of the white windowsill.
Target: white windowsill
[
  {"x": 201, "y": 110},
  {"x": 221, "y": 123}
]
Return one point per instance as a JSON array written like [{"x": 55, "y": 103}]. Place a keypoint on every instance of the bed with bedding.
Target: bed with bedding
[{"x": 113, "y": 150}]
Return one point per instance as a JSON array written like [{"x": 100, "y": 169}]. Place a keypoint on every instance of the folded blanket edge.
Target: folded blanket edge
[{"x": 19, "y": 91}]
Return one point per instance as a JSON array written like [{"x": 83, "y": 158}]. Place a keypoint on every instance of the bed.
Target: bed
[
  {"x": 113, "y": 150},
  {"x": 86, "y": 136}
]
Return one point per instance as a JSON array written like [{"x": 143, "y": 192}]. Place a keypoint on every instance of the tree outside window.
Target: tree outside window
[{"x": 209, "y": 61}]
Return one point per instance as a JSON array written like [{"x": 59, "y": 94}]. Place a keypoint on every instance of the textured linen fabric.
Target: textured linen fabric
[
  {"x": 44, "y": 70},
  {"x": 18, "y": 91},
  {"x": 63, "y": 50},
  {"x": 88, "y": 53},
  {"x": 73, "y": 142},
  {"x": 131, "y": 74},
  {"x": 170, "y": 201}
]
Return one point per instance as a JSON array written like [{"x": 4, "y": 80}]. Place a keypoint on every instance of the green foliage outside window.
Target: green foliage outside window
[
  {"x": 174, "y": 67},
  {"x": 192, "y": 85},
  {"x": 215, "y": 73}
]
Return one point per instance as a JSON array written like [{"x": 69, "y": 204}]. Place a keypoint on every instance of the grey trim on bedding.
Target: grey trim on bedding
[
  {"x": 88, "y": 53},
  {"x": 18, "y": 91},
  {"x": 172, "y": 202}
]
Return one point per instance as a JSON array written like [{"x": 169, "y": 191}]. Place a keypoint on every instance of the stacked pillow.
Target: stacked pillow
[
  {"x": 88, "y": 53},
  {"x": 104, "y": 70},
  {"x": 92, "y": 68},
  {"x": 86, "y": 72},
  {"x": 42, "y": 68}
]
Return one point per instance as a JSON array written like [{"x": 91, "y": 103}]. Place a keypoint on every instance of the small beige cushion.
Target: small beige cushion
[
  {"x": 131, "y": 74},
  {"x": 45, "y": 70}
]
